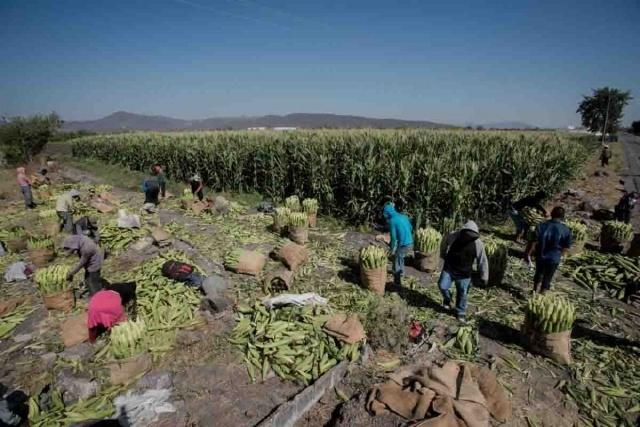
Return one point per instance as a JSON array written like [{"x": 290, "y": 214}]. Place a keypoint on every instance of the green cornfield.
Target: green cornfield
[{"x": 434, "y": 175}]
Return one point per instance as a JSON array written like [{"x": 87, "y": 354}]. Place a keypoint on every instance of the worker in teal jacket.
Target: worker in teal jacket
[{"x": 401, "y": 233}]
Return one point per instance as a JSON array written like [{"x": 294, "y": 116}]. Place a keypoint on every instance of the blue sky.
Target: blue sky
[{"x": 449, "y": 61}]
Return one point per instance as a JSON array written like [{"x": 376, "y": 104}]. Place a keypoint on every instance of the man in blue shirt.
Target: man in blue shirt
[
  {"x": 401, "y": 233},
  {"x": 553, "y": 239}
]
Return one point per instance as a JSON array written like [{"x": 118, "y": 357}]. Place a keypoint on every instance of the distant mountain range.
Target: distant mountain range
[
  {"x": 508, "y": 125},
  {"x": 124, "y": 121}
]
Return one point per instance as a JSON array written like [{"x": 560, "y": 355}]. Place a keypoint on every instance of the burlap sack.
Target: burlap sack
[
  {"x": 62, "y": 301},
  {"x": 9, "y": 305},
  {"x": 374, "y": 279},
  {"x": 101, "y": 206},
  {"x": 345, "y": 328},
  {"x": 74, "y": 330},
  {"x": 556, "y": 346},
  {"x": 251, "y": 263},
  {"x": 161, "y": 237},
  {"x": 610, "y": 245},
  {"x": 198, "y": 207},
  {"x": 108, "y": 196},
  {"x": 299, "y": 235},
  {"x": 427, "y": 262},
  {"x": 312, "y": 219},
  {"x": 634, "y": 247},
  {"x": 41, "y": 257},
  {"x": 293, "y": 255},
  {"x": 277, "y": 281},
  {"x": 126, "y": 370},
  {"x": 51, "y": 228},
  {"x": 16, "y": 245}
]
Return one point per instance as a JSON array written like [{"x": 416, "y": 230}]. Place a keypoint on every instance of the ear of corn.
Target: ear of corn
[
  {"x": 288, "y": 341},
  {"x": 427, "y": 240},
  {"x": 618, "y": 230},
  {"x": 281, "y": 216},
  {"x": 12, "y": 233},
  {"x": 373, "y": 256},
  {"x": 52, "y": 279},
  {"x": 550, "y": 313},
  {"x": 232, "y": 259},
  {"x": 310, "y": 205},
  {"x": 40, "y": 243},
  {"x": 116, "y": 239},
  {"x": 127, "y": 339},
  {"x": 497, "y": 252},
  {"x": 466, "y": 340},
  {"x": 612, "y": 272},
  {"x": 293, "y": 203},
  {"x": 298, "y": 219},
  {"x": 531, "y": 217},
  {"x": 579, "y": 231},
  {"x": 47, "y": 213}
]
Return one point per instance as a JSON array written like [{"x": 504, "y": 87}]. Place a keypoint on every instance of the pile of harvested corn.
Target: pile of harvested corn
[
  {"x": 613, "y": 272},
  {"x": 117, "y": 239},
  {"x": 53, "y": 279},
  {"x": 550, "y": 313},
  {"x": 289, "y": 341}
]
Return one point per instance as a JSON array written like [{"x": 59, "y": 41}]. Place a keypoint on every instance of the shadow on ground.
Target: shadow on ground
[{"x": 498, "y": 332}]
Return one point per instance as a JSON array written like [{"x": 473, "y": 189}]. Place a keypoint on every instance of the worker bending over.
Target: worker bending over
[
  {"x": 460, "y": 250},
  {"x": 91, "y": 259}
]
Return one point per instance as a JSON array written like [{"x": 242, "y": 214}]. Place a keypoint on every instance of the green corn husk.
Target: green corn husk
[
  {"x": 427, "y": 240},
  {"x": 127, "y": 339},
  {"x": 281, "y": 217},
  {"x": 288, "y": 341},
  {"x": 617, "y": 230},
  {"x": 52, "y": 279},
  {"x": 497, "y": 252},
  {"x": 12, "y": 233},
  {"x": 310, "y": 206},
  {"x": 298, "y": 219},
  {"x": 232, "y": 259},
  {"x": 293, "y": 203},
  {"x": 373, "y": 256},
  {"x": 579, "y": 231},
  {"x": 40, "y": 243},
  {"x": 531, "y": 217},
  {"x": 550, "y": 313}
]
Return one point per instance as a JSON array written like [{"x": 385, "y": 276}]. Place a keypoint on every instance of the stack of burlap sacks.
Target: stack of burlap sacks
[{"x": 451, "y": 395}]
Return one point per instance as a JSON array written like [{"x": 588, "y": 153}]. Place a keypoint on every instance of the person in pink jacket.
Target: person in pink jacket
[{"x": 25, "y": 187}]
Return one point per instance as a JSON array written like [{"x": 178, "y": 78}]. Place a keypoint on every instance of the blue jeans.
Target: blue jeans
[
  {"x": 517, "y": 221},
  {"x": 398, "y": 263},
  {"x": 462, "y": 289}
]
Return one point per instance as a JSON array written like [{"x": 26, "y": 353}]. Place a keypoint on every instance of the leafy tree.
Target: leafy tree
[
  {"x": 21, "y": 138},
  {"x": 635, "y": 127},
  {"x": 604, "y": 106}
]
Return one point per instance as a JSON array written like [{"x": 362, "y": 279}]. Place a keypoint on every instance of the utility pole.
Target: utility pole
[{"x": 606, "y": 117}]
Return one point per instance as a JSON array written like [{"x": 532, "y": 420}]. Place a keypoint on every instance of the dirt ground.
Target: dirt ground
[{"x": 207, "y": 376}]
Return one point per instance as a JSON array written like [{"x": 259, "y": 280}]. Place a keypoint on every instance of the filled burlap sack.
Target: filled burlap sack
[
  {"x": 51, "y": 228},
  {"x": 427, "y": 262},
  {"x": 16, "y": 245},
  {"x": 276, "y": 281},
  {"x": 126, "y": 370},
  {"x": 299, "y": 235},
  {"x": 102, "y": 206},
  {"x": 609, "y": 244},
  {"x": 345, "y": 328},
  {"x": 9, "y": 305},
  {"x": 374, "y": 279},
  {"x": 312, "y": 219},
  {"x": 251, "y": 263},
  {"x": 74, "y": 330},
  {"x": 293, "y": 255},
  {"x": 41, "y": 257},
  {"x": 556, "y": 346},
  {"x": 62, "y": 301}
]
